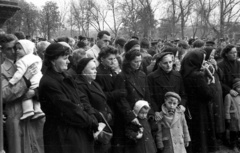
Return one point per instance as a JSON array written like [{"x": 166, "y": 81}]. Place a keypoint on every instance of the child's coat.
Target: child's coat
[{"x": 172, "y": 135}]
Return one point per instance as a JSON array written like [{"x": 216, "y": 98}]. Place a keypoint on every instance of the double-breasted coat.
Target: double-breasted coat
[
  {"x": 24, "y": 136},
  {"x": 69, "y": 116},
  {"x": 160, "y": 83},
  {"x": 172, "y": 135}
]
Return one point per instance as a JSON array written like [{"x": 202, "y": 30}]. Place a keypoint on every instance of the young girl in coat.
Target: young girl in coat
[
  {"x": 25, "y": 56},
  {"x": 232, "y": 114},
  {"x": 173, "y": 135},
  {"x": 142, "y": 137}
]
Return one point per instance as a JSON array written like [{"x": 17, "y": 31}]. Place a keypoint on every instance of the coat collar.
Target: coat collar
[
  {"x": 94, "y": 87},
  {"x": 159, "y": 72},
  {"x": 55, "y": 75},
  {"x": 7, "y": 64},
  {"x": 177, "y": 115}
]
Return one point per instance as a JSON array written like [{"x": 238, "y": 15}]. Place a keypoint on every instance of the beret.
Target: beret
[
  {"x": 173, "y": 94},
  {"x": 82, "y": 64}
]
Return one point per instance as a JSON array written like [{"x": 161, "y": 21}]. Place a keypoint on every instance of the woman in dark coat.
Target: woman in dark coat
[
  {"x": 70, "y": 120},
  {"x": 200, "y": 93},
  {"x": 216, "y": 106},
  {"x": 106, "y": 75},
  {"x": 86, "y": 71},
  {"x": 134, "y": 81},
  {"x": 231, "y": 69},
  {"x": 164, "y": 79}
]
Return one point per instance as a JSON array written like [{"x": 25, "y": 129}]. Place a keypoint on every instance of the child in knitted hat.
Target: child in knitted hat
[
  {"x": 232, "y": 114},
  {"x": 141, "y": 136},
  {"x": 173, "y": 135},
  {"x": 25, "y": 58}
]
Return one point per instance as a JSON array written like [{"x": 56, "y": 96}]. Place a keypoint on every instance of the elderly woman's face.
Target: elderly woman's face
[
  {"x": 61, "y": 63},
  {"x": 136, "y": 63},
  {"x": 232, "y": 55},
  {"x": 90, "y": 71},
  {"x": 166, "y": 63}
]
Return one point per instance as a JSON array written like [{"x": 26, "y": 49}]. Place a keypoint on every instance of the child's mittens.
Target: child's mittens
[{"x": 186, "y": 144}]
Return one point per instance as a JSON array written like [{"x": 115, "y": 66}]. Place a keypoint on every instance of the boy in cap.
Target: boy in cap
[
  {"x": 140, "y": 134},
  {"x": 232, "y": 114},
  {"x": 173, "y": 135}
]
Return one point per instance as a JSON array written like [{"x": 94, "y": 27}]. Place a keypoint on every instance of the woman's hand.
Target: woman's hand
[
  {"x": 30, "y": 94},
  {"x": 158, "y": 116},
  {"x": 32, "y": 70},
  {"x": 233, "y": 93}
]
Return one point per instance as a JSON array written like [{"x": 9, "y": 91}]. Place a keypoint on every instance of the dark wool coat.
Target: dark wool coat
[
  {"x": 98, "y": 101},
  {"x": 95, "y": 96},
  {"x": 200, "y": 93},
  {"x": 199, "y": 96},
  {"x": 135, "y": 84},
  {"x": 69, "y": 116},
  {"x": 105, "y": 78},
  {"x": 144, "y": 145},
  {"x": 160, "y": 83},
  {"x": 231, "y": 70}
]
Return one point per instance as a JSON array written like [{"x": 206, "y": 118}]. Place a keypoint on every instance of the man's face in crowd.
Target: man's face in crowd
[
  {"x": 8, "y": 50},
  {"x": 104, "y": 41}
]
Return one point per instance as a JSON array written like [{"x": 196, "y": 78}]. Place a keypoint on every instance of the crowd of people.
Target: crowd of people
[{"x": 151, "y": 96}]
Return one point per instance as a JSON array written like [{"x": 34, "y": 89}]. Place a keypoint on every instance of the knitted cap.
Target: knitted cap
[
  {"x": 130, "y": 44},
  {"x": 236, "y": 83},
  {"x": 138, "y": 105},
  {"x": 82, "y": 64},
  {"x": 173, "y": 94}
]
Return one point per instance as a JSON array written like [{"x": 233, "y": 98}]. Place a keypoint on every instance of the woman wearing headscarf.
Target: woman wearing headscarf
[
  {"x": 70, "y": 120},
  {"x": 86, "y": 70},
  {"x": 216, "y": 106},
  {"x": 231, "y": 69},
  {"x": 200, "y": 92}
]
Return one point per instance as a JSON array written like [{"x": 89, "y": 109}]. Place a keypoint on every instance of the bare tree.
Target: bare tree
[
  {"x": 185, "y": 10},
  {"x": 50, "y": 19},
  {"x": 116, "y": 16}
]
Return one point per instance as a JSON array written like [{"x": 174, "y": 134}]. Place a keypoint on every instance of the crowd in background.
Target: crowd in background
[{"x": 155, "y": 95}]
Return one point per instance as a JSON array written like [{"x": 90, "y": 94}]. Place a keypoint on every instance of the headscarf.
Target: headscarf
[
  {"x": 191, "y": 62},
  {"x": 208, "y": 51}
]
